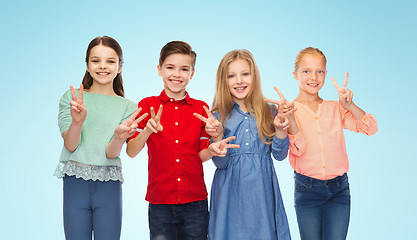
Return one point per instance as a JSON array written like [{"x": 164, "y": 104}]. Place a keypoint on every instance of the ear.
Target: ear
[
  {"x": 159, "y": 70},
  {"x": 295, "y": 75},
  {"x": 120, "y": 69},
  {"x": 192, "y": 74}
]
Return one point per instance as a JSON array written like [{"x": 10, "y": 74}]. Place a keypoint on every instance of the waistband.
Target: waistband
[{"x": 337, "y": 179}]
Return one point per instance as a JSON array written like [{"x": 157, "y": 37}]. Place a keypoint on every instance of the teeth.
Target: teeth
[
  {"x": 240, "y": 88},
  {"x": 175, "y": 81},
  {"x": 101, "y": 73}
]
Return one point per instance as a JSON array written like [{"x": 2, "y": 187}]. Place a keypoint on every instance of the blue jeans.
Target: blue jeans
[
  {"x": 322, "y": 207},
  {"x": 178, "y": 221},
  {"x": 92, "y": 206}
]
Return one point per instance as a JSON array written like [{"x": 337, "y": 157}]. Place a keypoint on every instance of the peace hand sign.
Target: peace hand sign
[
  {"x": 345, "y": 95},
  {"x": 213, "y": 127},
  {"x": 285, "y": 111},
  {"x": 128, "y": 127},
  {"x": 78, "y": 109},
  {"x": 220, "y": 148},
  {"x": 154, "y": 124}
]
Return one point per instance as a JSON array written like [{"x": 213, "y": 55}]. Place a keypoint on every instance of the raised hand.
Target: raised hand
[
  {"x": 213, "y": 127},
  {"x": 345, "y": 95},
  {"x": 220, "y": 148},
  {"x": 128, "y": 127},
  {"x": 78, "y": 109},
  {"x": 154, "y": 124},
  {"x": 286, "y": 110}
]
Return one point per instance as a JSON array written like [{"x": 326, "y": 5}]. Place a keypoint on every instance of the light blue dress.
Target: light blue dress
[{"x": 245, "y": 198}]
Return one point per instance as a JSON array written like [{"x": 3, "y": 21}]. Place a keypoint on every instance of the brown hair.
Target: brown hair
[
  {"x": 177, "y": 47},
  {"x": 308, "y": 50},
  {"x": 113, "y": 44},
  {"x": 255, "y": 104}
]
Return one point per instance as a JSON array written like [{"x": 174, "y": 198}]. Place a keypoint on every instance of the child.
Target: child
[
  {"x": 177, "y": 146},
  {"x": 245, "y": 199},
  {"x": 318, "y": 151},
  {"x": 89, "y": 163}
]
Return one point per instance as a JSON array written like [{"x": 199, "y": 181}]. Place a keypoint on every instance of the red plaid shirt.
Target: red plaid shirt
[{"x": 175, "y": 171}]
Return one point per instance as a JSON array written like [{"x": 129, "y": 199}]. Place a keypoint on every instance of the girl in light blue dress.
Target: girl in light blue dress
[{"x": 245, "y": 199}]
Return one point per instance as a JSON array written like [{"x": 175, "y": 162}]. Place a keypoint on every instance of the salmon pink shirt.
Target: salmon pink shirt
[{"x": 318, "y": 150}]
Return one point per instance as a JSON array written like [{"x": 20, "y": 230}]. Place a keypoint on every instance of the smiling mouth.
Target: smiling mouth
[
  {"x": 240, "y": 89},
  {"x": 312, "y": 84},
  {"x": 103, "y": 73},
  {"x": 175, "y": 81}
]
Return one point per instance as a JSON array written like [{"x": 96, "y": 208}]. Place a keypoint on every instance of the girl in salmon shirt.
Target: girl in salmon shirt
[{"x": 318, "y": 150}]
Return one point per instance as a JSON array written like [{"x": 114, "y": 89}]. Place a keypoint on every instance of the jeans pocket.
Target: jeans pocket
[
  {"x": 300, "y": 186},
  {"x": 345, "y": 184}
]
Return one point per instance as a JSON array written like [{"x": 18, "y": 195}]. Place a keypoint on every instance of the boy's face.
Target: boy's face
[{"x": 176, "y": 71}]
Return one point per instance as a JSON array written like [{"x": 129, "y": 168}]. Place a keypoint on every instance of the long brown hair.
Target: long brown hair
[
  {"x": 113, "y": 44},
  {"x": 257, "y": 107}
]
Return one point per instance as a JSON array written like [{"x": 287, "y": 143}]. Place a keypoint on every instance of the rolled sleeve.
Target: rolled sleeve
[{"x": 280, "y": 148}]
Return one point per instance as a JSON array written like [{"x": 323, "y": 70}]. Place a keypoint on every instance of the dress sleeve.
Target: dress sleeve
[
  {"x": 280, "y": 148},
  {"x": 367, "y": 125},
  {"x": 298, "y": 144},
  {"x": 64, "y": 114}
]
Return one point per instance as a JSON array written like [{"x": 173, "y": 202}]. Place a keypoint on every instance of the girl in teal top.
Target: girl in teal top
[{"x": 94, "y": 122}]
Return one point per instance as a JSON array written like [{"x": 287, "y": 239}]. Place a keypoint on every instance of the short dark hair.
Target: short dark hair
[{"x": 177, "y": 47}]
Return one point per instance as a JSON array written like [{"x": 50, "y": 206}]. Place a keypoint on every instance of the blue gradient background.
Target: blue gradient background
[{"x": 43, "y": 46}]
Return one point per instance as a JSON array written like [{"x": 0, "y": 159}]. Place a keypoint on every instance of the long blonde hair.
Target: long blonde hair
[{"x": 257, "y": 107}]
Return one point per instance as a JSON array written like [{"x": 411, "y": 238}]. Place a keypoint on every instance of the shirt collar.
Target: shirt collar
[{"x": 165, "y": 98}]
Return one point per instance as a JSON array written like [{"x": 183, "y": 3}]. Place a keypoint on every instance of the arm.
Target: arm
[
  {"x": 122, "y": 133},
  {"x": 280, "y": 148},
  {"x": 72, "y": 136},
  {"x": 213, "y": 127},
  {"x": 218, "y": 149},
  {"x": 364, "y": 123},
  {"x": 136, "y": 145}
]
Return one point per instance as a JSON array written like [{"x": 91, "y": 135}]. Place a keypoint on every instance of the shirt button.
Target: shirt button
[
  {"x": 176, "y": 123},
  {"x": 324, "y": 166},
  {"x": 176, "y": 141},
  {"x": 177, "y": 160},
  {"x": 247, "y": 130},
  {"x": 319, "y": 133},
  {"x": 176, "y": 107},
  {"x": 179, "y": 179},
  {"x": 246, "y": 117},
  {"x": 171, "y": 100},
  {"x": 317, "y": 118},
  {"x": 247, "y": 144}
]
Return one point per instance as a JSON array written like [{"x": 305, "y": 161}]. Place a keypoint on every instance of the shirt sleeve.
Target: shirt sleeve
[
  {"x": 204, "y": 136},
  {"x": 367, "y": 125},
  {"x": 298, "y": 144},
  {"x": 280, "y": 148},
  {"x": 131, "y": 107},
  {"x": 64, "y": 114}
]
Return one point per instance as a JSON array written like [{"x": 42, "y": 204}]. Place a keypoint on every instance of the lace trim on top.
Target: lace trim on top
[{"x": 89, "y": 172}]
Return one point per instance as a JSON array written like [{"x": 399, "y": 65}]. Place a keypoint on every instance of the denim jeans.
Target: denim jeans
[
  {"x": 322, "y": 207},
  {"x": 187, "y": 221},
  {"x": 92, "y": 207}
]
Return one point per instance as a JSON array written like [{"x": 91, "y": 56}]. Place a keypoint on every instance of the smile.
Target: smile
[
  {"x": 175, "y": 81},
  {"x": 240, "y": 89}
]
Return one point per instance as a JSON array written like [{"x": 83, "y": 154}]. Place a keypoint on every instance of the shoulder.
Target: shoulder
[{"x": 198, "y": 103}]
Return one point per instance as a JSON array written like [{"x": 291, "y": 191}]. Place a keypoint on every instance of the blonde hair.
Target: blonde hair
[
  {"x": 257, "y": 107},
  {"x": 305, "y": 51}
]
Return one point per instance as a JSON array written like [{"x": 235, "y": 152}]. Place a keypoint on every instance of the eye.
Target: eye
[
  {"x": 111, "y": 61},
  {"x": 169, "y": 67},
  {"x": 94, "y": 61},
  {"x": 246, "y": 74},
  {"x": 306, "y": 71},
  {"x": 185, "y": 69},
  {"x": 320, "y": 72},
  {"x": 230, "y": 76}
]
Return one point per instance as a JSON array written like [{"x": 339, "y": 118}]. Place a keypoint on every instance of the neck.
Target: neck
[
  {"x": 304, "y": 97},
  {"x": 176, "y": 96},
  {"x": 102, "y": 89},
  {"x": 241, "y": 103}
]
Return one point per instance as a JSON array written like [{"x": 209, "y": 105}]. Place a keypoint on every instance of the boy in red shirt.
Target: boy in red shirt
[{"x": 177, "y": 145}]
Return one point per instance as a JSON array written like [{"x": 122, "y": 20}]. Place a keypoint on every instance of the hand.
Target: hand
[
  {"x": 345, "y": 95},
  {"x": 154, "y": 124},
  {"x": 286, "y": 110},
  {"x": 213, "y": 127},
  {"x": 128, "y": 127},
  {"x": 78, "y": 109},
  {"x": 220, "y": 148}
]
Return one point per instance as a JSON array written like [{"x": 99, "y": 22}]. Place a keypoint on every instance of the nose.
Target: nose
[
  {"x": 102, "y": 65},
  {"x": 313, "y": 76},
  {"x": 177, "y": 72},
  {"x": 239, "y": 80}
]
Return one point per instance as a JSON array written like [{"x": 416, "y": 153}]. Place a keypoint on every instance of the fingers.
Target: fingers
[
  {"x": 232, "y": 146},
  {"x": 81, "y": 93},
  {"x": 159, "y": 114},
  {"x": 152, "y": 113},
  {"x": 346, "y": 80},
  {"x": 73, "y": 95},
  {"x": 226, "y": 140},
  {"x": 200, "y": 117},
  {"x": 271, "y": 101},
  {"x": 139, "y": 119},
  {"x": 335, "y": 84},
  {"x": 209, "y": 114},
  {"x": 135, "y": 114},
  {"x": 280, "y": 107},
  {"x": 281, "y": 96}
]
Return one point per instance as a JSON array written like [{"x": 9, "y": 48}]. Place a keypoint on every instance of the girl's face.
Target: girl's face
[
  {"x": 103, "y": 65},
  {"x": 310, "y": 74},
  {"x": 239, "y": 80}
]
